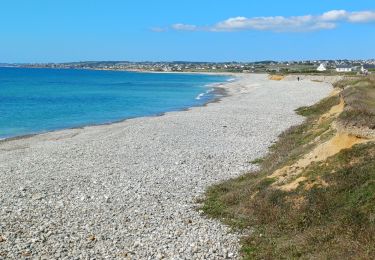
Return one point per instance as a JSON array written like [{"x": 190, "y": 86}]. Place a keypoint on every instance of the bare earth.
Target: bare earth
[{"x": 128, "y": 190}]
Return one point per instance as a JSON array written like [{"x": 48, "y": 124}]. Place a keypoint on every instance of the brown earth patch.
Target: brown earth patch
[
  {"x": 288, "y": 178},
  {"x": 276, "y": 77}
]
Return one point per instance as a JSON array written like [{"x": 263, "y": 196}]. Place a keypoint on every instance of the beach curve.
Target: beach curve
[{"x": 129, "y": 189}]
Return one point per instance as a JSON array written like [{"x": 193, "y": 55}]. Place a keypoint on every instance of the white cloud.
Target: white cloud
[
  {"x": 184, "y": 27},
  {"x": 276, "y": 23},
  {"x": 325, "y": 21},
  {"x": 334, "y": 15},
  {"x": 352, "y": 17},
  {"x": 362, "y": 17}
]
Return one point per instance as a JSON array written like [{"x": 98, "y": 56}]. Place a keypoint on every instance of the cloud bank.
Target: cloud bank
[{"x": 325, "y": 21}]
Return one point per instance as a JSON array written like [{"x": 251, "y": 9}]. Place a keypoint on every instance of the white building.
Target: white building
[
  {"x": 322, "y": 67},
  {"x": 366, "y": 67},
  {"x": 344, "y": 68}
]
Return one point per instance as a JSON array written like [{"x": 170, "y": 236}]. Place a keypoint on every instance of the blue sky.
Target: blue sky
[{"x": 194, "y": 30}]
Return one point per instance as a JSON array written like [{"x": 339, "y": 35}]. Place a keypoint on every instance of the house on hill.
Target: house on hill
[
  {"x": 344, "y": 68},
  {"x": 322, "y": 67},
  {"x": 366, "y": 67}
]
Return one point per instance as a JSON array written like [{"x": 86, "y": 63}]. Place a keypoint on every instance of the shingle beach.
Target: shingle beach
[{"x": 130, "y": 189}]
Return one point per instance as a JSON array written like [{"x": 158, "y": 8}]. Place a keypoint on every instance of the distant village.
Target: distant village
[{"x": 315, "y": 66}]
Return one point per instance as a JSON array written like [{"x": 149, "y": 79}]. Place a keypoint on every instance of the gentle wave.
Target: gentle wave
[{"x": 201, "y": 95}]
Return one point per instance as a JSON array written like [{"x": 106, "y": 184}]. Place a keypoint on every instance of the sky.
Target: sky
[{"x": 194, "y": 30}]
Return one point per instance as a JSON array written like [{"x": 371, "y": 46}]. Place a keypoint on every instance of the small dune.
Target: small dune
[
  {"x": 334, "y": 111},
  {"x": 288, "y": 179},
  {"x": 277, "y": 77},
  {"x": 286, "y": 176}
]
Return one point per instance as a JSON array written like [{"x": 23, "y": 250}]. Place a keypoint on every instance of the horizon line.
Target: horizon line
[{"x": 188, "y": 61}]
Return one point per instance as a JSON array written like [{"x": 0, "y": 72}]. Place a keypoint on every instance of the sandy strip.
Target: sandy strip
[{"x": 127, "y": 190}]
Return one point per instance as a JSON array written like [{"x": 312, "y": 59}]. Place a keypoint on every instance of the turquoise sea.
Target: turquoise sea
[{"x": 39, "y": 100}]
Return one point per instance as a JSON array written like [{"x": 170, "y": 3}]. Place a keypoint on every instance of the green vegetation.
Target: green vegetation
[
  {"x": 360, "y": 100},
  {"x": 330, "y": 215},
  {"x": 257, "y": 161},
  {"x": 315, "y": 111},
  {"x": 341, "y": 84}
]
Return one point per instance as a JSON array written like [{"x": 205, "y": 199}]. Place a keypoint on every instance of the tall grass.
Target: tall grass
[{"x": 360, "y": 104}]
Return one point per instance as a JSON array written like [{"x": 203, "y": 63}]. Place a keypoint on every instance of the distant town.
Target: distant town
[{"x": 311, "y": 66}]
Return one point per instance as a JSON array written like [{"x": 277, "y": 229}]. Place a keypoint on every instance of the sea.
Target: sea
[{"x": 34, "y": 101}]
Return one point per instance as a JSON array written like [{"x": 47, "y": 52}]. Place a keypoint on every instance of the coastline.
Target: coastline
[
  {"x": 218, "y": 91},
  {"x": 133, "y": 185},
  {"x": 135, "y": 70}
]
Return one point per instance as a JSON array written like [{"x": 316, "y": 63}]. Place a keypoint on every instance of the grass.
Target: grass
[
  {"x": 298, "y": 139},
  {"x": 341, "y": 84},
  {"x": 331, "y": 221},
  {"x": 257, "y": 161},
  {"x": 360, "y": 100},
  {"x": 318, "y": 109}
]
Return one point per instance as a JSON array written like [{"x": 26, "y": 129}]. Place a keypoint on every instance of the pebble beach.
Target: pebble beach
[{"x": 130, "y": 190}]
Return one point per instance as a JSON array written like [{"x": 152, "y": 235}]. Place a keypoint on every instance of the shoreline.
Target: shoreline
[
  {"x": 132, "y": 187},
  {"x": 219, "y": 92},
  {"x": 139, "y": 71}
]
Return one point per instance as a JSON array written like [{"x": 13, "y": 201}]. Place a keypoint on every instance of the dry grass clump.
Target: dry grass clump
[{"x": 360, "y": 104}]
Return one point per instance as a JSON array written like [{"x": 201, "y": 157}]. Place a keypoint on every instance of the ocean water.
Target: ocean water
[{"x": 40, "y": 100}]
